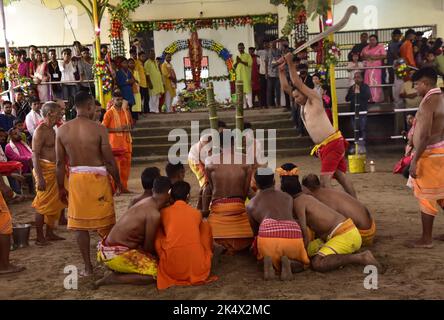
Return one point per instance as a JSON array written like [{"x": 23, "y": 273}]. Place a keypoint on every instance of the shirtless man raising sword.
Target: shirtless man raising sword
[
  {"x": 330, "y": 144},
  {"x": 90, "y": 202}
]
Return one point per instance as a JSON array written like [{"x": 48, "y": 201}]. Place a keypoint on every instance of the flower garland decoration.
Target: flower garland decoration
[
  {"x": 323, "y": 73},
  {"x": 210, "y": 23},
  {"x": 12, "y": 75},
  {"x": 211, "y": 45},
  {"x": 332, "y": 53},
  {"x": 100, "y": 70}
]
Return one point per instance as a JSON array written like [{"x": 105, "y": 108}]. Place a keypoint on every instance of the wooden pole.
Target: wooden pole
[
  {"x": 7, "y": 57},
  {"x": 239, "y": 113},
  {"x": 334, "y": 97},
  {"x": 211, "y": 104},
  {"x": 96, "y": 23}
]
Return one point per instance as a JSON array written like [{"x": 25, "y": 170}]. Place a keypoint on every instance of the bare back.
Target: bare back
[
  {"x": 316, "y": 120},
  {"x": 44, "y": 141},
  {"x": 270, "y": 203},
  {"x": 346, "y": 205},
  {"x": 228, "y": 180},
  {"x": 320, "y": 218},
  {"x": 82, "y": 140},
  {"x": 430, "y": 116},
  {"x": 137, "y": 228}
]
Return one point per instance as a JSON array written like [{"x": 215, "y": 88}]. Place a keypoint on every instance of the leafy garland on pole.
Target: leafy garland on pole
[{"x": 206, "y": 23}]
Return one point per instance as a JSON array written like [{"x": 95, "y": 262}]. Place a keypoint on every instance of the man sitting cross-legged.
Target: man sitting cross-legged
[
  {"x": 148, "y": 176},
  {"x": 279, "y": 240},
  {"x": 184, "y": 243},
  {"x": 346, "y": 205},
  {"x": 341, "y": 237},
  {"x": 129, "y": 248}
]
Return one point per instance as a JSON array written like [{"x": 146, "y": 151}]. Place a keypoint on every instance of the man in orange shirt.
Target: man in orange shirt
[
  {"x": 406, "y": 51},
  {"x": 118, "y": 122}
]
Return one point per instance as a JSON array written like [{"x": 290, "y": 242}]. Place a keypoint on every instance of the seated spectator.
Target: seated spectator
[
  {"x": 409, "y": 94},
  {"x": 20, "y": 125},
  {"x": 17, "y": 150},
  {"x": 34, "y": 117},
  {"x": 7, "y": 118}
]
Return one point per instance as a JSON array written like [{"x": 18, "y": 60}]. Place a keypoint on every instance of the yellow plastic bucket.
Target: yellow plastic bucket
[{"x": 356, "y": 163}]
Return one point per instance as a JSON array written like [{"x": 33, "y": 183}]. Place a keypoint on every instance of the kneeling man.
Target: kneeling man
[
  {"x": 346, "y": 205},
  {"x": 128, "y": 250},
  {"x": 279, "y": 240},
  {"x": 339, "y": 237}
]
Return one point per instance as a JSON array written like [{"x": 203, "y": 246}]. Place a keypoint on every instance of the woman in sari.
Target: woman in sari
[
  {"x": 41, "y": 75},
  {"x": 373, "y": 56}
]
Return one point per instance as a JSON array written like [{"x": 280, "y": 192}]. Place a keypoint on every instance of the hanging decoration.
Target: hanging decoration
[
  {"x": 12, "y": 75},
  {"x": 100, "y": 70},
  {"x": 196, "y": 24},
  {"x": 195, "y": 54},
  {"x": 332, "y": 53},
  {"x": 211, "y": 45}
]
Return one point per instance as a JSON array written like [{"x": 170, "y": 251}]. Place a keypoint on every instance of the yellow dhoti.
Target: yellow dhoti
[
  {"x": 90, "y": 203},
  {"x": 5, "y": 218},
  {"x": 124, "y": 260},
  {"x": 199, "y": 171},
  {"x": 47, "y": 202},
  {"x": 344, "y": 239}
]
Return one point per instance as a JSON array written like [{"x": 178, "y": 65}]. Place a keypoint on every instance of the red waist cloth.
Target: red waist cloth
[{"x": 227, "y": 200}]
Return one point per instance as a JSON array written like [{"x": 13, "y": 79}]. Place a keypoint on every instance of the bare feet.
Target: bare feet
[
  {"x": 286, "y": 274},
  {"x": 418, "y": 244},
  {"x": 269, "y": 273},
  {"x": 11, "y": 269},
  {"x": 42, "y": 242},
  {"x": 51, "y": 236},
  {"x": 296, "y": 266},
  {"x": 108, "y": 278},
  {"x": 369, "y": 259}
]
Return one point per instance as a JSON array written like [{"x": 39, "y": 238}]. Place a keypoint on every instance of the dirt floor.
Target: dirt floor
[{"x": 411, "y": 273}]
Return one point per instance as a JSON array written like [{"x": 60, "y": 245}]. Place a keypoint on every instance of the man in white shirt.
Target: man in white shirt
[
  {"x": 262, "y": 53},
  {"x": 68, "y": 70},
  {"x": 34, "y": 117}
]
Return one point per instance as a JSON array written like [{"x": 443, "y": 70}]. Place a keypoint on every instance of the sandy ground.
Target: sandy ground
[{"x": 411, "y": 273}]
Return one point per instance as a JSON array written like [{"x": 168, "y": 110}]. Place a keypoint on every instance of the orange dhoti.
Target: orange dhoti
[
  {"x": 368, "y": 235},
  {"x": 429, "y": 184},
  {"x": 277, "y": 239},
  {"x": 5, "y": 218},
  {"x": 121, "y": 141},
  {"x": 90, "y": 202},
  {"x": 47, "y": 203},
  {"x": 230, "y": 224},
  {"x": 184, "y": 245}
]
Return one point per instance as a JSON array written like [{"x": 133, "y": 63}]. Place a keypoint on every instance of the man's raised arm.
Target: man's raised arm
[
  {"x": 284, "y": 81},
  {"x": 296, "y": 80}
]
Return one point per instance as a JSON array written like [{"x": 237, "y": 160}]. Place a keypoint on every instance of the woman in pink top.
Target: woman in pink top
[{"x": 374, "y": 55}]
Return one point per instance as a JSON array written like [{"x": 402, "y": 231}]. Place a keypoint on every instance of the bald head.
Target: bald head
[{"x": 311, "y": 182}]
